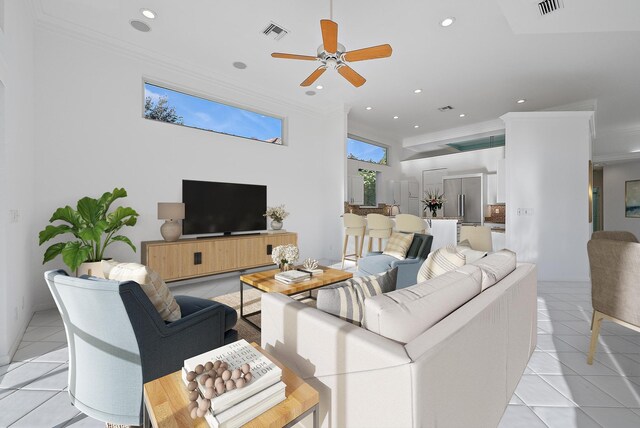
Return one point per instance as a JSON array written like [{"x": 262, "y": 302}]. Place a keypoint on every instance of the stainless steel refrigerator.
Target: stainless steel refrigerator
[{"x": 464, "y": 198}]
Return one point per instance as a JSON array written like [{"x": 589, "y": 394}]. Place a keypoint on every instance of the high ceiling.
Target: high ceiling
[{"x": 496, "y": 52}]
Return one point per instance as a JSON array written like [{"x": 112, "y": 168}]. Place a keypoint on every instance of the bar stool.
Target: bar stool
[
  {"x": 409, "y": 223},
  {"x": 354, "y": 225},
  {"x": 380, "y": 227}
]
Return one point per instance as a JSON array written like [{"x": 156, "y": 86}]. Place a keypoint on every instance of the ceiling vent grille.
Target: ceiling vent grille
[
  {"x": 445, "y": 108},
  {"x": 547, "y": 6},
  {"x": 275, "y": 31}
]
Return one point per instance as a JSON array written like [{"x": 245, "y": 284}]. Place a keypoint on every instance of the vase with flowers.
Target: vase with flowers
[
  {"x": 433, "y": 201},
  {"x": 277, "y": 216},
  {"x": 285, "y": 256}
]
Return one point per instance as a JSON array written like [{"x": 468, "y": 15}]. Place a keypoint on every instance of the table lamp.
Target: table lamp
[{"x": 171, "y": 212}]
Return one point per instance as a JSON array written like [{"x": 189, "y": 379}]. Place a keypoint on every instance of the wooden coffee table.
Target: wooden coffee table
[
  {"x": 166, "y": 402},
  {"x": 265, "y": 282}
]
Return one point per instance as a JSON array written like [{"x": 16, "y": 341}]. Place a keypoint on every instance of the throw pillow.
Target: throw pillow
[
  {"x": 470, "y": 254},
  {"x": 398, "y": 245},
  {"x": 441, "y": 261},
  {"x": 346, "y": 299},
  {"x": 150, "y": 282}
]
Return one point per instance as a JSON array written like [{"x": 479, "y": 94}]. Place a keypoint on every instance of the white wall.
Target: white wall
[
  {"x": 92, "y": 138},
  {"x": 547, "y": 156},
  {"x": 18, "y": 281},
  {"x": 614, "y": 179}
]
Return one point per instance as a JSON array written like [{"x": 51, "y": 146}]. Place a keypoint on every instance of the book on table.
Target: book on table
[
  {"x": 292, "y": 276},
  {"x": 265, "y": 374}
]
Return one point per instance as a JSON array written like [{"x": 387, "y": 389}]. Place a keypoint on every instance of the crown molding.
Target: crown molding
[
  {"x": 129, "y": 50},
  {"x": 616, "y": 158}
]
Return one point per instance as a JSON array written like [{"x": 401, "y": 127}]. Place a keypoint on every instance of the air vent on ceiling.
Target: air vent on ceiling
[
  {"x": 275, "y": 31},
  {"x": 547, "y": 6},
  {"x": 445, "y": 108}
]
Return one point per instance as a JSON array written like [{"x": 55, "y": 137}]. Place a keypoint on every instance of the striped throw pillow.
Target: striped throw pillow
[
  {"x": 398, "y": 245},
  {"x": 346, "y": 299},
  {"x": 441, "y": 261}
]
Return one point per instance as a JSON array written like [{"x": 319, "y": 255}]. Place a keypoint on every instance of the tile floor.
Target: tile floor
[{"x": 558, "y": 388}]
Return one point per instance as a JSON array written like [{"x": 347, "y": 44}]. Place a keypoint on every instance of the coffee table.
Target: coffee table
[
  {"x": 265, "y": 281},
  {"x": 166, "y": 402}
]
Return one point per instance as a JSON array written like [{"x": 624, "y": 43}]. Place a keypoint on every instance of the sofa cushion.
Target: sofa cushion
[
  {"x": 374, "y": 264},
  {"x": 398, "y": 245},
  {"x": 439, "y": 262},
  {"x": 404, "y": 314},
  {"x": 150, "y": 282},
  {"x": 496, "y": 266},
  {"x": 346, "y": 299}
]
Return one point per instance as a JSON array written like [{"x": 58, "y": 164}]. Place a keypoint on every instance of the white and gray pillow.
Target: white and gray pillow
[
  {"x": 439, "y": 262},
  {"x": 346, "y": 299},
  {"x": 398, "y": 245}
]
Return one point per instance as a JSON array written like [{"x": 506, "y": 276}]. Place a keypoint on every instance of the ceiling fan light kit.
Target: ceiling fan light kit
[{"x": 332, "y": 55}]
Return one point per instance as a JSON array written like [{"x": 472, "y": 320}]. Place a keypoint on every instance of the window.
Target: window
[
  {"x": 366, "y": 152},
  {"x": 370, "y": 178},
  {"x": 166, "y": 105}
]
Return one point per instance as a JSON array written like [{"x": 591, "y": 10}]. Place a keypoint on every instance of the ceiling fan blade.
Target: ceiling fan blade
[
  {"x": 313, "y": 77},
  {"x": 293, "y": 56},
  {"x": 354, "y": 78},
  {"x": 329, "y": 35},
  {"x": 374, "y": 52}
]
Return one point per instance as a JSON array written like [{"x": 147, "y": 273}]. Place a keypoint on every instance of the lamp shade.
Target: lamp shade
[{"x": 170, "y": 211}]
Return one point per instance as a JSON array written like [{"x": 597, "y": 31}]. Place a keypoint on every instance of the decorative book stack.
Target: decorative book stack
[
  {"x": 236, "y": 407},
  {"x": 292, "y": 276}
]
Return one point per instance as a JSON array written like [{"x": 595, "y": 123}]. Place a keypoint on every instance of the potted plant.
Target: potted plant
[
  {"x": 93, "y": 229},
  {"x": 277, "y": 216}
]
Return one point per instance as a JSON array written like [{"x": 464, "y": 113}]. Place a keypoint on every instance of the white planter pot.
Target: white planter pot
[
  {"x": 91, "y": 269},
  {"x": 276, "y": 225}
]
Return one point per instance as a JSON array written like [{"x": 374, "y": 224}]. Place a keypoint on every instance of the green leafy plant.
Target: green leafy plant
[{"x": 93, "y": 227}]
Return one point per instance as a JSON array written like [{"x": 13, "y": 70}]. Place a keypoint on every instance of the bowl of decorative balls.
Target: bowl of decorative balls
[{"x": 216, "y": 379}]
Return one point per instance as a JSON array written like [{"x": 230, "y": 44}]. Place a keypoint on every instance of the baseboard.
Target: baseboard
[{"x": 6, "y": 359}]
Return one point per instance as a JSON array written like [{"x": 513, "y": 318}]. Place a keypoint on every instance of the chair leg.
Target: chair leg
[
  {"x": 370, "y": 245},
  {"x": 593, "y": 317},
  {"x": 595, "y": 331},
  {"x": 344, "y": 250},
  {"x": 361, "y": 244},
  {"x": 358, "y": 245}
]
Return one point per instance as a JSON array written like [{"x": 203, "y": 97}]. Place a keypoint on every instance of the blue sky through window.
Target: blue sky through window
[
  {"x": 360, "y": 150},
  {"x": 213, "y": 116}
]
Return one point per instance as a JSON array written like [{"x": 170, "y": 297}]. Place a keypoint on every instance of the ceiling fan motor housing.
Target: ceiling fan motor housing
[{"x": 332, "y": 60}]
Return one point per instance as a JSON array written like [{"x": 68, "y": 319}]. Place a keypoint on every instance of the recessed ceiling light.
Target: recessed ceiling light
[
  {"x": 240, "y": 65},
  {"x": 395, "y": 117},
  {"x": 140, "y": 26},
  {"x": 520, "y": 101},
  {"x": 417, "y": 91},
  {"x": 462, "y": 115},
  {"x": 368, "y": 108},
  {"x": 319, "y": 87},
  {"x": 416, "y": 126},
  {"x": 310, "y": 93},
  {"x": 447, "y": 21},
  {"x": 148, "y": 13}
]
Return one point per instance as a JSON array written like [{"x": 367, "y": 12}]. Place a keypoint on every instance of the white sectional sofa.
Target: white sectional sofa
[{"x": 459, "y": 372}]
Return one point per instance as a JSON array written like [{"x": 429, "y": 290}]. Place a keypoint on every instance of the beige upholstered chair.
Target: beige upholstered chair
[
  {"x": 354, "y": 225},
  {"x": 379, "y": 226},
  {"x": 478, "y": 236},
  {"x": 614, "y": 259},
  {"x": 409, "y": 223}
]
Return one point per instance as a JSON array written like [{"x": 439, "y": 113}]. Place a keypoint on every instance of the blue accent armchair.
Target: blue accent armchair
[
  {"x": 376, "y": 262},
  {"x": 118, "y": 341}
]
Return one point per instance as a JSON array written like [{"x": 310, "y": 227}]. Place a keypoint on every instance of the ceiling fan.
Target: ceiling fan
[{"x": 334, "y": 55}]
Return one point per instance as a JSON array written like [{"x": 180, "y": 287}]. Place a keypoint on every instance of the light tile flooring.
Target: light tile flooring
[{"x": 558, "y": 388}]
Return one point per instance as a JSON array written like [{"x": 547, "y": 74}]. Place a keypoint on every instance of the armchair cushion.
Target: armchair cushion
[
  {"x": 398, "y": 245},
  {"x": 346, "y": 299},
  {"x": 151, "y": 283},
  {"x": 190, "y": 305}
]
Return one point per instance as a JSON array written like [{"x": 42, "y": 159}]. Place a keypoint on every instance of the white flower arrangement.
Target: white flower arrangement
[
  {"x": 276, "y": 213},
  {"x": 285, "y": 254}
]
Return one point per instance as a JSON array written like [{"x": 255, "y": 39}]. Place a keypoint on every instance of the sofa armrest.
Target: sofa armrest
[
  {"x": 314, "y": 343},
  {"x": 405, "y": 262},
  {"x": 373, "y": 253}
]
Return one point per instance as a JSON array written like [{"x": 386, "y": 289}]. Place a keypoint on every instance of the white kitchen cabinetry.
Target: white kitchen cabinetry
[
  {"x": 404, "y": 193},
  {"x": 501, "y": 187},
  {"x": 393, "y": 195},
  {"x": 356, "y": 190},
  {"x": 498, "y": 240}
]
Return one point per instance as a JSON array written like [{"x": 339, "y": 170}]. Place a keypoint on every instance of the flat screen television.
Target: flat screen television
[{"x": 212, "y": 207}]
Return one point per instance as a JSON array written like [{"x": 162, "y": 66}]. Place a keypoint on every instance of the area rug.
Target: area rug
[{"x": 251, "y": 303}]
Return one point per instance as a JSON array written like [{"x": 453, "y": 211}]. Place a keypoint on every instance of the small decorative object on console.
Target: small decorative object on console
[
  {"x": 285, "y": 256},
  {"x": 311, "y": 265},
  {"x": 277, "y": 216},
  {"x": 171, "y": 212},
  {"x": 433, "y": 201}
]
